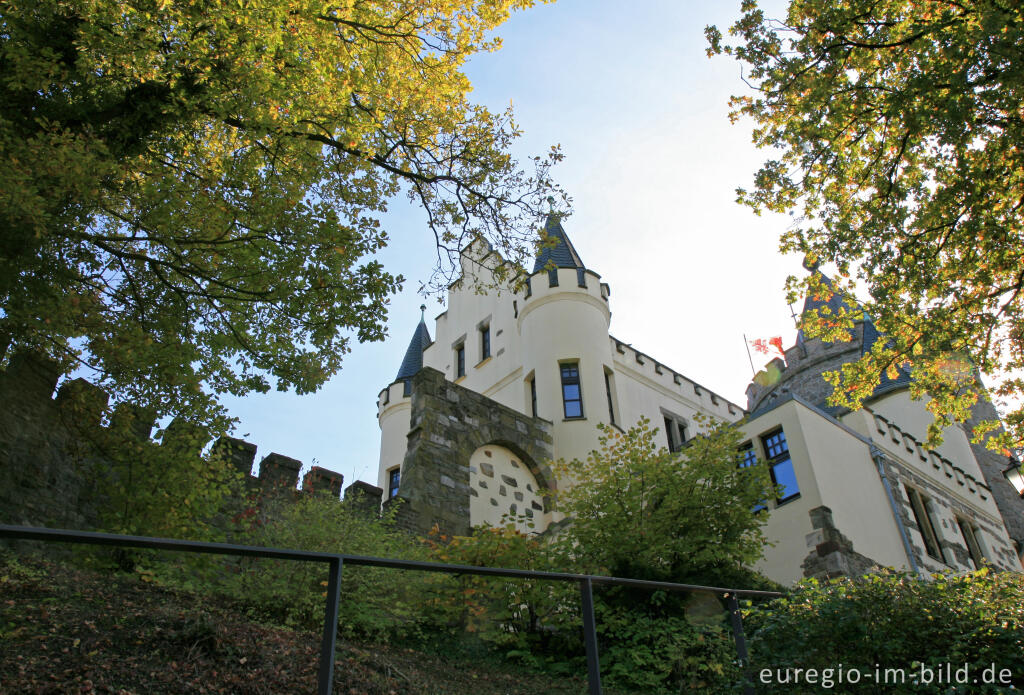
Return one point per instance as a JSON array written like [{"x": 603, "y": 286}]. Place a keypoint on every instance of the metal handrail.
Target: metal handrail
[{"x": 336, "y": 561}]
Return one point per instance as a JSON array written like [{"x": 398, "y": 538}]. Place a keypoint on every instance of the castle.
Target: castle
[{"x": 513, "y": 379}]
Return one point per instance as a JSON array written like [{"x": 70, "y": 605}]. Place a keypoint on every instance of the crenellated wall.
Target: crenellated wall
[{"x": 54, "y": 450}]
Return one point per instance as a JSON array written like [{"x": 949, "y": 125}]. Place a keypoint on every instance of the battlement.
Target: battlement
[
  {"x": 801, "y": 371},
  {"x": 912, "y": 451},
  {"x": 53, "y": 448},
  {"x": 563, "y": 283},
  {"x": 674, "y": 381}
]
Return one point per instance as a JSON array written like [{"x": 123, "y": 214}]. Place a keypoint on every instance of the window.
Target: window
[
  {"x": 608, "y": 392},
  {"x": 533, "y": 396},
  {"x": 485, "y": 342},
  {"x": 572, "y": 397},
  {"x": 675, "y": 431},
  {"x": 407, "y": 388},
  {"x": 553, "y": 277},
  {"x": 780, "y": 466},
  {"x": 747, "y": 456},
  {"x": 460, "y": 360},
  {"x": 748, "y": 459},
  {"x": 394, "y": 475},
  {"x": 581, "y": 277},
  {"x": 970, "y": 533},
  {"x": 925, "y": 524}
]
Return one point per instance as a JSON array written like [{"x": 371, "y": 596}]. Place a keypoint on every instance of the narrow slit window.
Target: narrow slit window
[
  {"x": 608, "y": 393},
  {"x": 485, "y": 342}
]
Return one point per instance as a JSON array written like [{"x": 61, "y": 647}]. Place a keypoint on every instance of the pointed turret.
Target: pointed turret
[
  {"x": 864, "y": 338},
  {"x": 801, "y": 371},
  {"x": 563, "y": 253},
  {"x": 413, "y": 361}
]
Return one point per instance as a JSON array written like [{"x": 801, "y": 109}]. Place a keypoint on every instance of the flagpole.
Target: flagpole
[{"x": 746, "y": 344}]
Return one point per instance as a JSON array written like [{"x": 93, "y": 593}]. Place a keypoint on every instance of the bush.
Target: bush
[
  {"x": 893, "y": 621},
  {"x": 376, "y": 603}
]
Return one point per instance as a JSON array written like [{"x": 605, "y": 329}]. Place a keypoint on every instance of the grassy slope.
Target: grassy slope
[{"x": 67, "y": 630}]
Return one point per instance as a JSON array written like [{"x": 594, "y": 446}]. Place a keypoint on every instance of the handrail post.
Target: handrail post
[
  {"x": 741, "y": 642},
  {"x": 327, "y": 643},
  {"x": 590, "y": 637}
]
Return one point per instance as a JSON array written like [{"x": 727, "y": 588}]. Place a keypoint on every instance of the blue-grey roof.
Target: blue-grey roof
[
  {"x": 563, "y": 253},
  {"x": 413, "y": 361}
]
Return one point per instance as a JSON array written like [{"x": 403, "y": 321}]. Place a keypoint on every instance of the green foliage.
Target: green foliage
[
  {"x": 895, "y": 621},
  {"x": 192, "y": 193},
  {"x": 170, "y": 490},
  {"x": 525, "y": 619},
  {"x": 648, "y": 642},
  {"x": 642, "y": 513},
  {"x": 378, "y": 603},
  {"x": 646, "y": 513},
  {"x": 898, "y": 140}
]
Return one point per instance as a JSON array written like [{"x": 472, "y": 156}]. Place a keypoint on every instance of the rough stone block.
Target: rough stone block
[
  {"x": 240, "y": 453},
  {"x": 362, "y": 495},
  {"x": 279, "y": 470},
  {"x": 320, "y": 480},
  {"x": 81, "y": 402}
]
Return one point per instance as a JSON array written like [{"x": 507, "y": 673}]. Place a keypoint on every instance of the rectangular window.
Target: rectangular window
[
  {"x": 533, "y": 396},
  {"x": 780, "y": 466},
  {"x": 748, "y": 459},
  {"x": 970, "y": 534},
  {"x": 553, "y": 277},
  {"x": 407, "y": 388},
  {"x": 670, "y": 432},
  {"x": 485, "y": 342},
  {"x": 460, "y": 360},
  {"x": 608, "y": 392},
  {"x": 572, "y": 397},
  {"x": 925, "y": 524},
  {"x": 675, "y": 432},
  {"x": 394, "y": 475},
  {"x": 581, "y": 277}
]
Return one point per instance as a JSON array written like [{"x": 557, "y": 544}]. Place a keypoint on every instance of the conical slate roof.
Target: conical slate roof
[
  {"x": 413, "y": 361},
  {"x": 563, "y": 254}
]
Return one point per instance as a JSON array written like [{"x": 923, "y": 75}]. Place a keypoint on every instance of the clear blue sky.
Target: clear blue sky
[{"x": 652, "y": 164}]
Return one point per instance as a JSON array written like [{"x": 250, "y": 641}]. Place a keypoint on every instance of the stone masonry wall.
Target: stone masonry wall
[
  {"x": 800, "y": 372},
  {"x": 55, "y": 451},
  {"x": 449, "y": 423},
  {"x": 992, "y": 465},
  {"x": 832, "y": 554}
]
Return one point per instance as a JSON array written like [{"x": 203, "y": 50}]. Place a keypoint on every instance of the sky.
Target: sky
[{"x": 652, "y": 164}]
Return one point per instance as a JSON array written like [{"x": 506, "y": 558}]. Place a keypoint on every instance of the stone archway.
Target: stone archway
[{"x": 449, "y": 425}]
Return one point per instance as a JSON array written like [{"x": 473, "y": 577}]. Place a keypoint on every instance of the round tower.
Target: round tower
[
  {"x": 394, "y": 409},
  {"x": 567, "y": 358}
]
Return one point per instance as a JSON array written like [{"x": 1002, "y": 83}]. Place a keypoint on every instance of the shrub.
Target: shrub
[
  {"x": 893, "y": 621},
  {"x": 376, "y": 603}
]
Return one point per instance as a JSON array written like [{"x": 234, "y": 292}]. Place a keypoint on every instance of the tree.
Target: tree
[
  {"x": 192, "y": 191},
  {"x": 646, "y": 513},
  {"x": 900, "y": 146}
]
